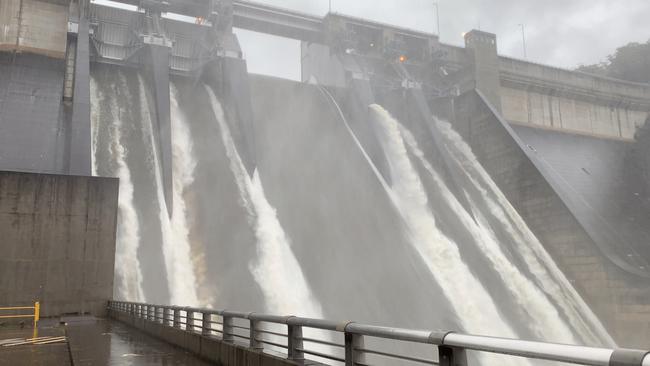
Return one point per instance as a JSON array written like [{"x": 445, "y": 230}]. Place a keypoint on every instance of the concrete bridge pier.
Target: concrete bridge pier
[
  {"x": 79, "y": 150},
  {"x": 156, "y": 64},
  {"x": 154, "y": 56},
  {"x": 227, "y": 75},
  {"x": 357, "y": 97}
]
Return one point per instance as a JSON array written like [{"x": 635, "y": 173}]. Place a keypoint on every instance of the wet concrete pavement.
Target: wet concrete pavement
[
  {"x": 37, "y": 355},
  {"x": 107, "y": 342},
  {"x": 93, "y": 341}
]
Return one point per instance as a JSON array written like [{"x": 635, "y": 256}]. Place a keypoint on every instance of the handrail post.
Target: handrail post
[
  {"x": 254, "y": 342},
  {"x": 295, "y": 343},
  {"x": 167, "y": 316},
  {"x": 450, "y": 356},
  {"x": 206, "y": 323},
  {"x": 177, "y": 318},
  {"x": 228, "y": 329},
  {"x": 152, "y": 311},
  {"x": 353, "y": 344},
  {"x": 189, "y": 319},
  {"x": 37, "y": 312}
]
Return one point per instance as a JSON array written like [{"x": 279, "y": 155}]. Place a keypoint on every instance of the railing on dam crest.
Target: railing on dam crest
[{"x": 288, "y": 336}]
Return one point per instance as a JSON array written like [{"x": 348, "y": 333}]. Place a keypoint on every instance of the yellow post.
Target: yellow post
[{"x": 37, "y": 311}]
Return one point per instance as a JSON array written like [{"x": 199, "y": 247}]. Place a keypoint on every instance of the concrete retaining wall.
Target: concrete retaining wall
[
  {"x": 58, "y": 241},
  {"x": 209, "y": 348}
]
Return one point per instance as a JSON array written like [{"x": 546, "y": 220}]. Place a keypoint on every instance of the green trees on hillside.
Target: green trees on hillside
[{"x": 630, "y": 62}]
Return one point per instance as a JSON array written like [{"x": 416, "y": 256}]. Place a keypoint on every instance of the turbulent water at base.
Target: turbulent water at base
[{"x": 315, "y": 229}]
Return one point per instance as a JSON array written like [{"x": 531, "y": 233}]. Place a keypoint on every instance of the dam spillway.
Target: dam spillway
[{"x": 290, "y": 197}]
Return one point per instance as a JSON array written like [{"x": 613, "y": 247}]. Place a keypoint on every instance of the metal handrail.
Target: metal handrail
[
  {"x": 36, "y": 313},
  {"x": 451, "y": 345}
]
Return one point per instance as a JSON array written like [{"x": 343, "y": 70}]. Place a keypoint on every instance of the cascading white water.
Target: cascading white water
[
  {"x": 551, "y": 280},
  {"x": 96, "y": 96},
  {"x": 176, "y": 248},
  {"x": 439, "y": 253},
  {"x": 276, "y": 269},
  {"x": 184, "y": 162},
  {"x": 128, "y": 281},
  {"x": 542, "y": 317}
]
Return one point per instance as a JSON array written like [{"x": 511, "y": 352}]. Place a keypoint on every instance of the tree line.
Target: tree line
[{"x": 630, "y": 62}]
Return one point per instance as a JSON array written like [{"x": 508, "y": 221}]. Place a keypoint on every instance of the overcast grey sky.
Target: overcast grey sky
[{"x": 558, "y": 32}]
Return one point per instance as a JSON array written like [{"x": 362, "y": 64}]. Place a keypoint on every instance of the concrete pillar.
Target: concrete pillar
[
  {"x": 228, "y": 77},
  {"x": 80, "y": 139},
  {"x": 237, "y": 92},
  {"x": 156, "y": 61},
  {"x": 484, "y": 60}
]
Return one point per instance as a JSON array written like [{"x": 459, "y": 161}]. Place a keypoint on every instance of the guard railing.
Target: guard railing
[
  {"x": 18, "y": 312},
  {"x": 264, "y": 332}
]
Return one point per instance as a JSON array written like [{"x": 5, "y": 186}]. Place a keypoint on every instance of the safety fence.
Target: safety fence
[
  {"x": 18, "y": 312},
  {"x": 350, "y": 343}
]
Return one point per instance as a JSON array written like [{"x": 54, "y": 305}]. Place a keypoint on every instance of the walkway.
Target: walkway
[{"x": 91, "y": 341}]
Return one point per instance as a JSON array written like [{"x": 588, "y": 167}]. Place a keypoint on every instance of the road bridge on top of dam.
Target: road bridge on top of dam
[{"x": 555, "y": 141}]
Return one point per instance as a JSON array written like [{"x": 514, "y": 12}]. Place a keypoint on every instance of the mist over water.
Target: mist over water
[
  {"x": 439, "y": 253},
  {"x": 175, "y": 245},
  {"x": 276, "y": 269},
  {"x": 546, "y": 274},
  {"x": 315, "y": 230},
  {"x": 543, "y": 318}
]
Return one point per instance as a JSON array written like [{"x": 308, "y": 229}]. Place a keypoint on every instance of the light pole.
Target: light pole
[
  {"x": 523, "y": 39},
  {"x": 330, "y": 6},
  {"x": 435, "y": 4}
]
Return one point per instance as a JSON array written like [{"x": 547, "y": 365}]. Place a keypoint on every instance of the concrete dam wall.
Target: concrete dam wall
[
  {"x": 342, "y": 197},
  {"x": 58, "y": 242},
  {"x": 560, "y": 145}
]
